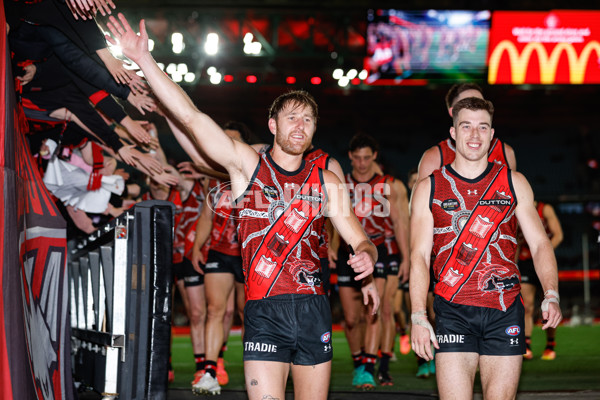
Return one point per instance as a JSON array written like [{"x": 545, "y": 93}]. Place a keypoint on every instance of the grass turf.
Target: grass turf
[{"x": 577, "y": 364}]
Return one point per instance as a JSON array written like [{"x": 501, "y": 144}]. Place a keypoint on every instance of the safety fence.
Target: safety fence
[{"x": 120, "y": 286}]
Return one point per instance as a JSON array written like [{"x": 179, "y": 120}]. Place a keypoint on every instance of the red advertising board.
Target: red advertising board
[{"x": 544, "y": 47}]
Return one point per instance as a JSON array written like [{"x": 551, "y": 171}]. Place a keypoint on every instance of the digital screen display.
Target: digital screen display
[{"x": 430, "y": 44}]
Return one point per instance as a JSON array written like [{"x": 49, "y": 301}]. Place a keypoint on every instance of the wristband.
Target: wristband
[{"x": 420, "y": 318}]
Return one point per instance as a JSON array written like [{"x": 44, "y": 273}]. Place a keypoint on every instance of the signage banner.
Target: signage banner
[{"x": 544, "y": 47}]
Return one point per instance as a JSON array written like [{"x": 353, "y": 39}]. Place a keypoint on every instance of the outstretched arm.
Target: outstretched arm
[{"x": 237, "y": 158}]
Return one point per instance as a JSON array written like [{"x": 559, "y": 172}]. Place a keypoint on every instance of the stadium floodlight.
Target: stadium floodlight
[
  {"x": 343, "y": 81},
  {"x": 338, "y": 73},
  {"x": 215, "y": 78},
  {"x": 189, "y": 77},
  {"x": 364, "y": 74},
  {"x": 352, "y": 74},
  {"x": 211, "y": 70},
  {"x": 182, "y": 68},
  {"x": 211, "y": 47},
  {"x": 171, "y": 69},
  {"x": 177, "y": 41},
  {"x": 177, "y": 77}
]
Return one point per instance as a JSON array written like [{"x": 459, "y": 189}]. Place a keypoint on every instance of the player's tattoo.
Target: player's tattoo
[{"x": 253, "y": 382}]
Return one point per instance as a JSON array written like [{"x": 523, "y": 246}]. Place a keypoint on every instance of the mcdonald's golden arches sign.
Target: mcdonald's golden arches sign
[{"x": 549, "y": 47}]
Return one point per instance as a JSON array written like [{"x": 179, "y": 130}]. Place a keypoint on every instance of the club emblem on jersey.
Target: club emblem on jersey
[
  {"x": 450, "y": 204},
  {"x": 481, "y": 226},
  {"x": 277, "y": 244},
  {"x": 466, "y": 253},
  {"x": 306, "y": 274},
  {"x": 265, "y": 267},
  {"x": 452, "y": 277},
  {"x": 295, "y": 220},
  {"x": 496, "y": 278},
  {"x": 326, "y": 337}
]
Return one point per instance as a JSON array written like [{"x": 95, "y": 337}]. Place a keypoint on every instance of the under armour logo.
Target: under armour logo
[
  {"x": 327, "y": 348},
  {"x": 470, "y": 192},
  {"x": 514, "y": 342}
]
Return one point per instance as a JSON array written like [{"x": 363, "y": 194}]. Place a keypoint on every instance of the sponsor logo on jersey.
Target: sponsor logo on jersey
[
  {"x": 262, "y": 347},
  {"x": 513, "y": 330},
  {"x": 211, "y": 265},
  {"x": 326, "y": 337},
  {"x": 498, "y": 202},
  {"x": 514, "y": 341},
  {"x": 450, "y": 204}
]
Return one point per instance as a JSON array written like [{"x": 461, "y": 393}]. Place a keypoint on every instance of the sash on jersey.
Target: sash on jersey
[
  {"x": 284, "y": 235},
  {"x": 474, "y": 238}
]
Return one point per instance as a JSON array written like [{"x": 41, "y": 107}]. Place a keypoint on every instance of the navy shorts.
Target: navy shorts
[
  {"x": 185, "y": 271},
  {"x": 288, "y": 328},
  {"x": 528, "y": 274},
  {"x": 218, "y": 262},
  {"x": 482, "y": 330}
]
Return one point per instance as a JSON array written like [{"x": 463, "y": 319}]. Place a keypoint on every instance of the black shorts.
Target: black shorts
[
  {"x": 346, "y": 274},
  {"x": 528, "y": 274},
  {"x": 218, "y": 262},
  {"x": 185, "y": 271},
  {"x": 482, "y": 330},
  {"x": 288, "y": 328}
]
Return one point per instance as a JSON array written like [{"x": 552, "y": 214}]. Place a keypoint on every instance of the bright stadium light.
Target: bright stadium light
[
  {"x": 150, "y": 44},
  {"x": 211, "y": 70},
  {"x": 177, "y": 41},
  {"x": 364, "y": 74},
  {"x": 352, "y": 74},
  {"x": 182, "y": 68},
  {"x": 211, "y": 47},
  {"x": 177, "y": 77},
  {"x": 189, "y": 77},
  {"x": 344, "y": 81},
  {"x": 171, "y": 69},
  {"x": 215, "y": 78},
  {"x": 338, "y": 73}
]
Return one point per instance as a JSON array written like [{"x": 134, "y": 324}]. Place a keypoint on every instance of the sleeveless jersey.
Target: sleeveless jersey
[
  {"x": 370, "y": 205},
  {"x": 321, "y": 160},
  {"x": 191, "y": 208},
  {"x": 223, "y": 236},
  {"x": 448, "y": 152},
  {"x": 474, "y": 237},
  {"x": 390, "y": 239},
  {"x": 280, "y": 221},
  {"x": 525, "y": 253}
]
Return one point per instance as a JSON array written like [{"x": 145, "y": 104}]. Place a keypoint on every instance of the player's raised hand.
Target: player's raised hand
[{"x": 134, "y": 46}]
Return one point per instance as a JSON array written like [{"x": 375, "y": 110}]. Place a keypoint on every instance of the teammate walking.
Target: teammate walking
[{"x": 466, "y": 213}]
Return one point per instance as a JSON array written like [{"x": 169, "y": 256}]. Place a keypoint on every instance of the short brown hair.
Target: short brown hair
[
  {"x": 296, "y": 98},
  {"x": 458, "y": 88},
  {"x": 473, "y": 104}
]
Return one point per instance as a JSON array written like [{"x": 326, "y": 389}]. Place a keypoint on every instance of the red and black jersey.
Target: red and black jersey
[
  {"x": 474, "y": 237},
  {"x": 525, "y": 253},
  {"x": 185, "y": 230},
  {"x": 321, "y": 160},
  {"x": 317, "y": 157},
  {"x": 223, "y": 235},
  {"x": 280, "y": 222},
  {"x": 447, "y": 149},
  {"x": 370, "y": 204}
]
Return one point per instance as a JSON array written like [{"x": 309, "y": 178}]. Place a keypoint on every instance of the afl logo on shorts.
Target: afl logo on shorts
[
  {"x": 326, "y": 337},
  {"x": 513, "y": 330}
]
